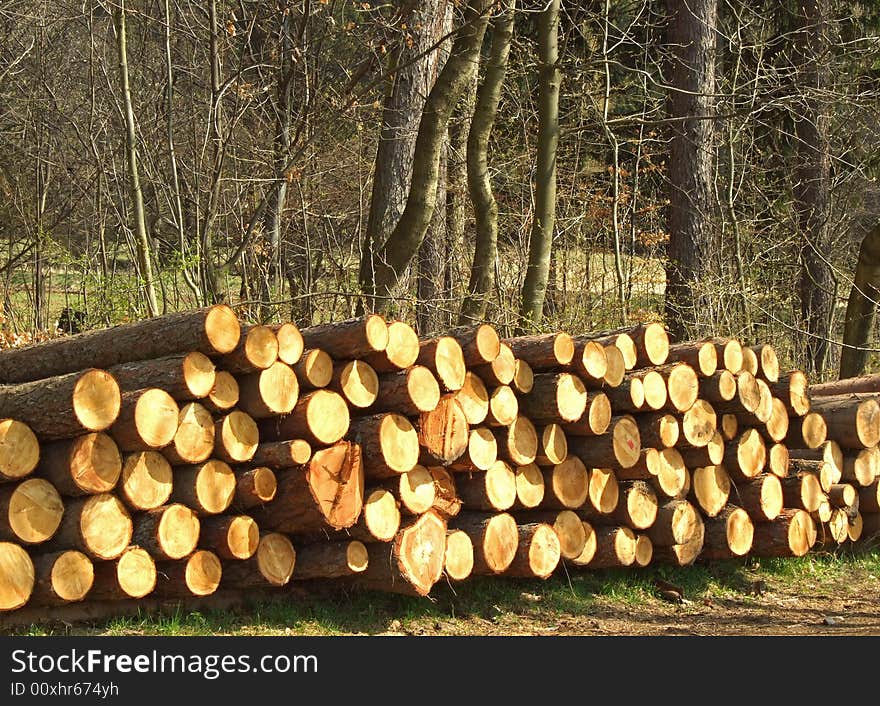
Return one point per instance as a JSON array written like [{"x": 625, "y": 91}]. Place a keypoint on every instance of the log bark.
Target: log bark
[
  {"x": 145, "y": 481},
  {"x": 30, "y": 511},
  {"x": 401, "y": 351},
  {"x": 98, "y": 525},
  {"x": 555, "y": 397},
  {"x": 677, "y": 522},
  {"x": 270, "y": 392},
  {"x": 710, "y": 455},
  {"x": 233, "y": 537},
  {"x": 480, "y": 343},
  {"x": 542, "y": 352},
  {"x": 85, "y": 465},
  {"x": 272, "y": 565},
  {"x": 719, "y": 388},
  {"x": 320, "y": 417},
  {"x": 327, "y": 493},
  {"x": 350, "y": 339},
  {"x": 197, "y": 575},
  {"x": 494, "y": 537},
  {"x": 629, "y": 396},
  {"x": 283, "y": 454},
  {"x": 847, "y": 386},
  {"x": 682, "y": 554},
  {"x": 659, "y": 431},
  {"x": 168, "y": 532},
  {"x": 636, "y": 508},
  {"x": 491, "y": 491},
  {"x": 614, "y": 547},
  {"x": 193, "y": 441},
  {"x": 802, "y": 492},
  {"x": 869, "y": 498},
  {"x": 62, "y": 407},
  {"x": 852, "y": 422},
  {"x": 132, "y": 575},
  {"x": 811, "y": 433},
  {"x": 620, "y": 447},
  {"x": 700, "y": 355},
  {"x": 538, "y": 552},
  {"x": 595, "y": 420},
  {"x": 61, "y": 577},
  {"x": 862, "y": 467},
  {"x": 186, "y": 376},
  {"x": 389, "y": 442},
  {"x": 331, "y": 560},
  {"x": 793, "y": 533},
  {"x": 212, "y": 331},
  {"x": 255, "y": 487},
  {"x": 794, "y": 392}
]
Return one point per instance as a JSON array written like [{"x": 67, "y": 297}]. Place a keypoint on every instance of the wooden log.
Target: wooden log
[
  {"x": 615, "y": 547},
  {"x": 870, "y": 526},
  {"x": 719, "y": 388},
  {"x": 537, "y": 553},
  {"x": 728, "y": 535},
  {"x": 569, "y": 529},
  {"x": 682, "y": 386},
  {"x": 746, "y": 456},
  {"x": 861, "y": 467},
  {"x": 750, "y": 361},
  {"x": 830, "y": 452},
  {"x": 729, "y": 426},
  {"x": 458, "y": 559},
  {"x": 644, "y": 550},
  {"x": 590, "y": 546},
  {"x": 503, "y": 407},
  {"x": 61, "y": 577},
  {"x": 659, "y": 431},
  {"x": 518, "y": 443},
  {"x": 595, "y": 420},
  {"x": 193, "y": 441},
  {"x": 836, "y": 531},
  {"x": 546, "y": 351},
  {"x": 683, "y": 554},
  {"x": 856, "y": 527},
  {"x": 776, "y": 426},
  {"x": 700, "y": 355},
  {"x": 326, "y": 493},
  {"x": 98, "y": 525},
  {"x": 494, "y": 538},
  {"x": 590, "y": 362},
  {"x": 529, "y": 486},
  {"x": 729, "y": 352},
  {"x": 145, "y": 481},
  {"x": 620, "y": 447},
  {"x": 320, "y": 417},
  {"x": 196, "y": 575},
  {"x": 615, "y": 366},
  {"x": 698, "y": 424},
  {"x": 233, "y": 537},
  {"x": 480, "y": 454},
  {"x": 62, "y": 407},
  {"x": 236, "y": 437},
  {"x": 793, "y": 533},
  {"x": 410, "y": 392},
  {"x": 272, "y": 565},
  {"x": 653, "y": 387},
  {"x": 331, "y": 560},
  {"x": 290, "y": 342},
  {"x": 761, "y": 497},
  {"x": 802, "y": 491},
  {"x": 30, "y": 511},
  {"x": 810, "y": 433},
  {"x": 269, "y": 392},
  {"x": 710, "y": 455},
  {"x": 676, "y": 523},
  {"x": 85, "y": 465},
  {"x": 16, "y": 576},
  {"x": 710, "y": 489},
  {"x": 823, "y": 514},
  {"x": 778, "y": 460},
  {"x": 255, "y": 487},
  {"x": 636, "y": 508},
  {"x": 604, "y": 491},
  {"x": 768, "y": 362},
  {"x": 186, "y": 376},
  {"x": 566, "y": 485},
  {"x": 256, "y": 350},
  {"x": 555, "y": 397},
  {"x": 443, "y": 357},
  {"x": 224, "y": 395},
  {"x": 211, "y": 331},
  {"x": 794, "y": 391},
  {"x": 764, "y": 411},
  {"x": 167, "y": 532},
  {"x": 500, "y": 371},
  {"x": 413, "y": 562},
  {"x": 414, "y": 491},
  {"x": 842, "y": 495},
  {"x": 645, "y": 468},
  {"x": 847, "y": 386},
  {"x": 492, "y": 491},
  {"x": 852, "y": 422},
  {"x": 349, "y": 339},
  {"x": 446, "y": 500},
  {"x": 389, "y": 442},
  {"x": 147, "y": 420},
  {"x": 672, "y": 477},
  {"x": 823, "y": 471},
  {"x": 869, "y": 497},
  {"x": 357, "y": 382},
  {"x": 554, "y": 445},
  {"x": 399, "y": 353},
  {"x": 380, "y": 519},
  {"x": 480, "y": 343},
  {"x": 747, "y": 398},
  {"x": 629, "y": 396},
  {"x": 620, "y": 340},
  {"x": 131, "y": 575},
  {"x": 314, "y": 370},
  {"x": 523, "y": 377},
  {"x": 19, "y": 450},
  {"x": 283, "y": 454}
]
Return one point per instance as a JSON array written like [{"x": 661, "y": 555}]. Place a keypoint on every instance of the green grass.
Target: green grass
[{"x": 331, "y": 610}]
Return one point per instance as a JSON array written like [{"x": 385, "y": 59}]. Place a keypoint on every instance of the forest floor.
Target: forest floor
[{"x": 819, "y": 594}]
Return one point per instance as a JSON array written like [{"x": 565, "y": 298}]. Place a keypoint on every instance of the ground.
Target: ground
[{"x": 821, "y": 594}]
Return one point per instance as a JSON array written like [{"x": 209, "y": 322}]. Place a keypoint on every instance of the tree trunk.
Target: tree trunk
[
  {"x": 692, "y": 242},
  {"x": 860, "y": 308},
  {"x": 534, "y": 287}
]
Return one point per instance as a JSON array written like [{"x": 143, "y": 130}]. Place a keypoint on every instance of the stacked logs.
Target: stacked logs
[{"x": 191, "y": 455}]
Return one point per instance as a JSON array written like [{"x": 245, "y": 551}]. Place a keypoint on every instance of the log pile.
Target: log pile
[{"x": 191, "y": 453}]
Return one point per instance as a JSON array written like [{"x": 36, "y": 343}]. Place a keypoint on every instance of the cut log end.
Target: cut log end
[
  {"x": 598, "y": 414},
  {"x": 315, "y": 369},
  {"x": 644, "y": 551},
  {"x": 178, "y": 531},
  {"x": 225, "y": 393},
  {"x": 135, "y": 573},
  {"x": 626, "y": 442},
  {"x": 203, "y": 572},
  {"x": 105, "y": 526},
  {"x": 276, "y": 558},
  {"x": 19, "y": 450},
  {"x": 711, "y": 488},
  {"x": 604, "y": 492},
  {"x": 683, "y": 386},
  {"x": 326, "y": 416},
  {"x": 593, "y": 360},
  {"x": 33, "y": 511},
  {"x": 529, "y": 483},
  {"x": 16, "y": 576},
  {"x": 96, "y": 400},
  {"x": 699, "y": 424},
  {"x": 222, "y": 329},
  {"x": 381, "y": 515},
  {"x": 458, "y": 561},
  {"x": 416, "y": 490},
  {"x": 554, "y": 444},
  {"x": 421, "y": 551},
  {"x": 500, "y": 541},
  {"x": 71, "y": 576},
  {"x": 290, "y": 343},
  {"x": 403, "y": 345},
  {"x": 270, "y": 392},
  {"x": 447, "y": 362},
  {"x": 615, "y": 366},
  {"x": 523, "y": 377},
  {"x": 503, "y": 406},
  {"x": 146, "y": 480},
  {"x": 199, "y": 374},
  {"x": 236, "y": 437},
  {"x": 571, "y": 534},
  {"x": 358, "y": 383},
  {"x": 569, "y": 483},
  {"x": 194, "y": 439},
  {"x": 538, "y": 552}
]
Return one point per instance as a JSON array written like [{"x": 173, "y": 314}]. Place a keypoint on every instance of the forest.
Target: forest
[{"x": 539, "y": 165}]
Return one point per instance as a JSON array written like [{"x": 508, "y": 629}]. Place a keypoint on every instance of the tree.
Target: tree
[
  {"x": 534, "y": 287},
  {"x": 692, "y": 242}
]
